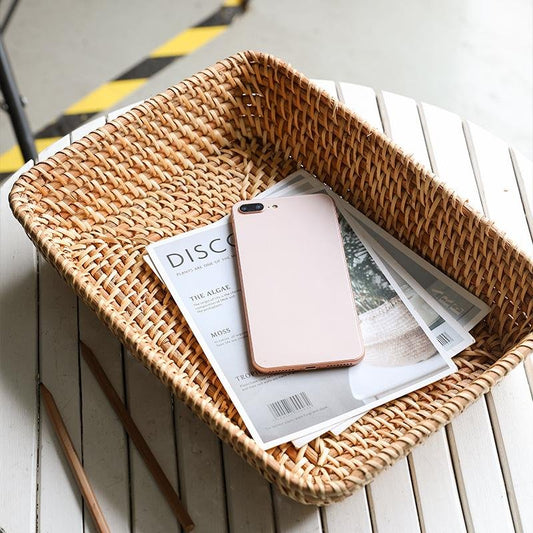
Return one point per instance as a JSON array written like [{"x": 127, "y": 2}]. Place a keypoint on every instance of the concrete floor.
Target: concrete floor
[{"x": 472, "y": 57}]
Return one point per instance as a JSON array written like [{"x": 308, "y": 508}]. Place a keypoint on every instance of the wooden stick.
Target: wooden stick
[
  {"x": 151, "y": 462},
  {"x": 73, "y": 460}
]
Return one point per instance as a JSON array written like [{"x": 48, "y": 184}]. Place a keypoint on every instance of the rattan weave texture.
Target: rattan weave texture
[{"x": 180, "y": 160}]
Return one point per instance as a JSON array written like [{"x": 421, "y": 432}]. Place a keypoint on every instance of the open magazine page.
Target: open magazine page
[
  {"x": 199, "y": 269},
  {"x": 461, "y": 305}
]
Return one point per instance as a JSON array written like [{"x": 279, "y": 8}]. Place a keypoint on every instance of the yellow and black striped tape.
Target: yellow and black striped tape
[{"x": 115, "y": 90}]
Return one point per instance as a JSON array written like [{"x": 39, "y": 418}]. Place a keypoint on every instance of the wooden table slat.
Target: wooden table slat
[
  {"x": 350, "y": 515},
  {"x": 149, "y": 404},
  {"x": 478, "y": 470},
  {"x": 59, "y": 371},
  {"x": 436, "y": 489},
  {"x": 248, "y": 496},
  {"x": 327, "y": 85},
  {"x": 201, "y": 471},
  {"x": 511, "y": 411},
  {"x": 393, "y": 501},
  {"x": 105, "y": 443},
  {"x": 403, "y": 125},
  {"x": 361, "y": 100},
  {"x": 294, "y": 517},
  {"x": 523, "y": 169},
  {"x": 502, "y": 197},
  {"x": 18, "y": 370},
  {"x": 448, "y": 152}
]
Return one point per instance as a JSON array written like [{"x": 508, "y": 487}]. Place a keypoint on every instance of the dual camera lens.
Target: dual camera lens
[{"x": 251, "y": 208}]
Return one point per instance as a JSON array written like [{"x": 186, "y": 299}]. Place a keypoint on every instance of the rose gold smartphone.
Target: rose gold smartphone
[{"x": 296, "y": 289}]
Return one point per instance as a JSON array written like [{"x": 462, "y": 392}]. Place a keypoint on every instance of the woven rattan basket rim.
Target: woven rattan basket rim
[{"x": 304, "y": 488}]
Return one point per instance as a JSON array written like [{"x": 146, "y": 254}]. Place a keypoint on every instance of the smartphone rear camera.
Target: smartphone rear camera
[{"x": 251, "y": 208}]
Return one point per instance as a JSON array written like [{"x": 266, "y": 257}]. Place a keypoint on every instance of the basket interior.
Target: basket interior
[{"x": 183, "y": 158}]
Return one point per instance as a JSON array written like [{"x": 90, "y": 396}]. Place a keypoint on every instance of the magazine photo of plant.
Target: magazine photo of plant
[{"x": 391, "y": 334}]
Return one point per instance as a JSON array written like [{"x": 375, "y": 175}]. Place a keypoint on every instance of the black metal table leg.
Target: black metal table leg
[
  {"x": 12, "y": 98},
  {"x": 14, "y": 107}
]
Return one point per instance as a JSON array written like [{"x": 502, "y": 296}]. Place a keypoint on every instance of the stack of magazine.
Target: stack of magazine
[{"x": 414, "y": 319}]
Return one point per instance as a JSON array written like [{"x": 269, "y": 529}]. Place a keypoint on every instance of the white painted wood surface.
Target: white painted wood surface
[
  {"x": 105, "y": 445},
  {"x": 478, "y": 469},
  {"x": 19, "y": 364},
  {"x": 248, "y": 496},
  {"x": 201, "y": 472},
  {"x": 150, "y": 406},
  {"x": 475, "y": 475},
  {"x": 449, "y": 153},
  {"x": 494, "y": 166},
  {"x": 392, "y": 500},
  {"x": 58, "y": 335},
  {"x": 402, "y": 125},
  {"x": 511, "y": 428},
  {"x": 361, "y": 100}
]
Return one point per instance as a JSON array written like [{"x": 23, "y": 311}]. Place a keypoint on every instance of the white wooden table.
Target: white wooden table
[{"x": 474, "y": 475}]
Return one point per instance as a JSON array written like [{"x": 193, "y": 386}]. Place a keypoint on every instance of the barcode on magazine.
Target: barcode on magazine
[
  {"x": 290, "y": 405},
  {"x": 444, "y": 338}
]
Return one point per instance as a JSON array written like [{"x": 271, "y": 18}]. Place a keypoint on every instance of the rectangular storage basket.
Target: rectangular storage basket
[{"x": 181, "y": 160}]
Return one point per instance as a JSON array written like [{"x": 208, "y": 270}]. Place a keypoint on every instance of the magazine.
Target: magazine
[{"x": 199, "y": 269}]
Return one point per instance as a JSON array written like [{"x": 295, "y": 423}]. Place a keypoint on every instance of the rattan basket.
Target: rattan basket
[{"x": 180, "y": 160}]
